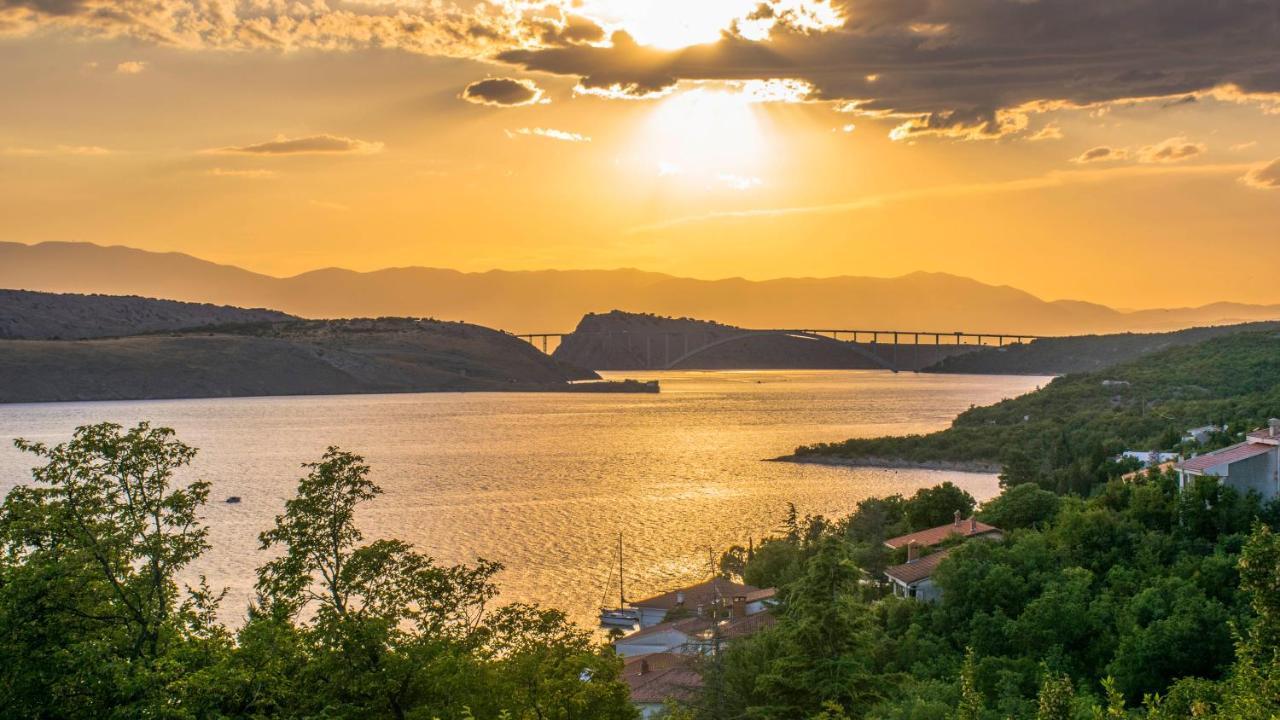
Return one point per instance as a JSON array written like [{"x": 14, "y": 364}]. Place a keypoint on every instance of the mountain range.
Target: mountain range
[{"x": 554, "y": 300}]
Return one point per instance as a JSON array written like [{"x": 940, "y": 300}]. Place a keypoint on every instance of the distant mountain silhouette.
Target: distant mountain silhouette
[{"x": 554, "y": 300}]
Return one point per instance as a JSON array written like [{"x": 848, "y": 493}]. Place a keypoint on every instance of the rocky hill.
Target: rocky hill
[
  {"x": 635, "y": 341},
  {"x": 1060, "y": 356},
  {"x": 280, "y": 358},
  {"x": 50, "y": 316}
]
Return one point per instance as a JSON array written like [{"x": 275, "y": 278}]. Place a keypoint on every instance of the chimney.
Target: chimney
[
  {"x": 739, "y": 606},
  {"x": 957, "y": 518},
  {"x": 644, "y": 666},
  {"x": 912, "y": 553},
  {"x": 679, "y": 597},
  {"x": 1273, "y": 427}
]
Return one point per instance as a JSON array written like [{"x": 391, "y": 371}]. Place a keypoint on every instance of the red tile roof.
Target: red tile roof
[
  {"x": 914, "y": 572},
  {"x": 660, "y": 677},
  {"x": 701, "y": 594},
  {"x": 938, "y": 535},
  {"x": 1225, "y": 456}
]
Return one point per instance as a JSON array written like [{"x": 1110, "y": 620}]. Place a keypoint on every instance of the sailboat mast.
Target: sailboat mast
[{"x": 622, "y": 595}]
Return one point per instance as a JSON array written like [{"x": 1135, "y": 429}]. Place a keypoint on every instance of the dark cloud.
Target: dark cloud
[
  {"x": 967, "y": 67},
  {"x": 313, "y": 144},
  {"x": 504, "y": 92},
  {"x": 1266, "y": 177},
  {"x": 1101, "y": 154}
]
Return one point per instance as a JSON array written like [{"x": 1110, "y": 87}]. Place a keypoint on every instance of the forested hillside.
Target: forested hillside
[
  {"x": 1062, "y": 435},
  {"x": 1106, "y": 598}
]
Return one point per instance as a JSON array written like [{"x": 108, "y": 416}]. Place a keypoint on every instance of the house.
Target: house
[
  {"x": 1200, "y": 435},
  {"x": 655, "y": 679},
  {"x": 1253, "y": 465},
  {"x": 1148, "y": 459},
  {"x": 914, "y": 578},
  {"x": 715, "y": 592},
  {"x": 1146, "y": 471},
  {"x": 938, "y": 535},
  {"x": 660, "y": 662},
  {"x": 697, "y": 635}
]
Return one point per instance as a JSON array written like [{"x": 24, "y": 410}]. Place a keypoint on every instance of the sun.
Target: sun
[
  {"x": 706, "y": 136},
  {"x": 670, "y": 24}
]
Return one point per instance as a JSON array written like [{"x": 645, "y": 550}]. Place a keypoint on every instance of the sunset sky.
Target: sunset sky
[{"x": 1119, "y": 151}]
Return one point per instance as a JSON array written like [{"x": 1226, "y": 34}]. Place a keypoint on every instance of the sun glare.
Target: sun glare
[
  {"x": 706, "y": 135},
  {"x": 670, "y": 24}
]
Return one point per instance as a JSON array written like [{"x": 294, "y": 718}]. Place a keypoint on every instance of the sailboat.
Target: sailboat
[{"x": 621, "y": 616}]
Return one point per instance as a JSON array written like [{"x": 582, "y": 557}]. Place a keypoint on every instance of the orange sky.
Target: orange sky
[{"x": 829, "y": 137}]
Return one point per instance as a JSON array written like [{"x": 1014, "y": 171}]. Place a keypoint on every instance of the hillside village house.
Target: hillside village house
[
  {"x": 914, "y": 578},
  {"x": 660, "y": 658},
  {"x": 655, "y": 679},
  {"x": 1201, "y": 434},
  {"x": 719, "y": 591},
  {"x": 1253, "y": 465},
  {"x": 699, "y": 635},
  {"x": 1148, "y": 458}
]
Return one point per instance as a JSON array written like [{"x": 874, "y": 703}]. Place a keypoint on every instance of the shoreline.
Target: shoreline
[
  {"x": 966, "y": 466},
  {"x": 598, "y": 387}
]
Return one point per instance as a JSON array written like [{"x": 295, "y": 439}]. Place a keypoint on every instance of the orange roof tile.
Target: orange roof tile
[
  {"x": 913, "y": 572},
  {"x": 660, "y": 677},
  {"x": 938, "y": 535}
]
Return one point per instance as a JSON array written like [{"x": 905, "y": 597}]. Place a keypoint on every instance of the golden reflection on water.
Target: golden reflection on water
[{"x": 544, "y": 482}]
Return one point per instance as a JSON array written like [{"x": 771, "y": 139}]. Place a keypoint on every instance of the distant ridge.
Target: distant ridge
[
  {"x": 554, "y": 300},
  {"x": 1085, "y": 353}
]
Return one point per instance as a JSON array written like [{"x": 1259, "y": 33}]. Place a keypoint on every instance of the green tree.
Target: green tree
[
  {"x": 934, "y": 506},
  {"x": 826, "y": 640},
  {"x": 971, "y": 705},
  {"x": 1021, "y": 506},
  {"x": 393, "y": 634},
  {"x": 94, "y": 622},
  {"x": 1056, "y": 697}
]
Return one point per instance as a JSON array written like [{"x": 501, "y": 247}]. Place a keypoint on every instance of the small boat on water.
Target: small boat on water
[{"x": 621, "y": 616}]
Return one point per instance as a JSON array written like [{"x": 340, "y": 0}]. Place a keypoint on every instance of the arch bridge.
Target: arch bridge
[{"x": 668, "y": 349}]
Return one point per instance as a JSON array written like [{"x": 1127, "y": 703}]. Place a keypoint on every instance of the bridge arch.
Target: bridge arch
[{"x": 851, "y": 347}]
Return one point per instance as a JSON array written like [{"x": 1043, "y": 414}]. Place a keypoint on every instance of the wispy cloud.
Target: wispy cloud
[
  {"x": 252, "y": 174},
  {"x": 327, "y": 205},
  {"x": 1049, "y": 132},
  {"x": 1264, "y": 177},
  {"x": 740, "y": 182},
  {"x": 550, "y": 134},
  {"x": 1056, "y": 179},
  {"x": 56, "y": 150},
  {"x": 1175, "y": 149},
  {"x": 131, "y": 67},
  {"x": 309, "y": 145}
]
